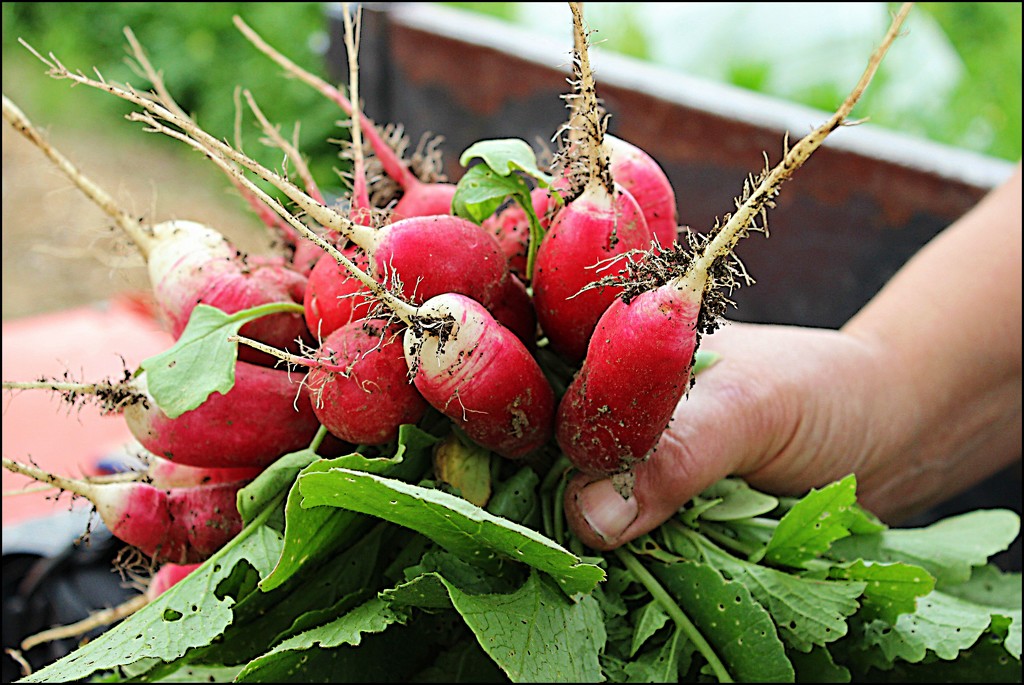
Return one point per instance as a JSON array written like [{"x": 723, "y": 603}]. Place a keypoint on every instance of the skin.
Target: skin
[{"x": 919, "y": 394}]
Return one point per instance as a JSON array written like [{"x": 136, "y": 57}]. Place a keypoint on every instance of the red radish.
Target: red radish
[
  {"x": 178, "y": 525},
  {"x": 166, "y": 577},
  {"x": 419, "y": 198},
  {"x": 333, "y": 297},
  {"x": 480, "y": 375},
  {"x": 469, "y": 367},
  {"x": 264, "y": 415},
  {"x": 638, "y": 363},
  {"x": 643, "y": 177},
  {"x": 359, "y": 383},
  {"x": 594, "y": 228},
  {"x": 189, "y": 263},
  {"x": 164, "y": 473}
]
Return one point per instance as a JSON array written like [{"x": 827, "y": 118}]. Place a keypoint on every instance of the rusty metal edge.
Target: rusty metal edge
[{"x": 727, "y": 102}]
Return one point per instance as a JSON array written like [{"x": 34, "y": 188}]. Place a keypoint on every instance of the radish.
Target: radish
[
  {"x": 264, "y": 415},
  {"x": 164, "y": 473},
  {"x": 596, "y": 227},
  {"x": 468, "y": 366},
  {"x": 358, "y": 382},
  {"x": 643, "y": 177},
  {"x": 419, "y": 198},
  {"x": 638, "y": 363},
  {"x": 166, "y": 577},
  {"x": 178, "y": 525},
  {"x": 480, "y": 375},
  {"x": 190, "y": 263}
]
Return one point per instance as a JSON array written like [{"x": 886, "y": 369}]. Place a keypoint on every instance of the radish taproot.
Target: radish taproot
[
  {"x": 189, "y": 263},
  {"x": 178, "y": 525},
  {"x": 425, "y": 256},
  {"x": 638, "y": 363},
  {"x": 419, "y": 198},
  {"x": 597, "y": 226}
]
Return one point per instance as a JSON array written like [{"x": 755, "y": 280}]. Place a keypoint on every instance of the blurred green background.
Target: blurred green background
[{"x": 968, "y": 95}]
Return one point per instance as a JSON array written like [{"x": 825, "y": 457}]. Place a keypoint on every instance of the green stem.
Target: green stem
[
  {"x": 673, "y": 609},
  {"x": 265, "y": 310},
  {"x": 321, "y": 433}
]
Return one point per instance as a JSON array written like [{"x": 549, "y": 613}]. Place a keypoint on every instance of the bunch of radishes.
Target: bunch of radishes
[{"x": 425, "y": 302}]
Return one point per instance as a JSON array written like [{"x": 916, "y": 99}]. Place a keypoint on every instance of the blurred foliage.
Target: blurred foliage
[
  {"x": 960, "y": 84},
  {"x": 203, "y": 58}
]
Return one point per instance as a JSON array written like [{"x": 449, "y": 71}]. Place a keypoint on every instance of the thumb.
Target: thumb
[{"x": 709, "y": 438}]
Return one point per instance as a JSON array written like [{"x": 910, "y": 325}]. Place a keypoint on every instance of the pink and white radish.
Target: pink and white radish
[
  {"x": 638, "y": 362},
  {"x": 264, "y": 415},
  {"x": 178, "y": 525},
  {"x": 597, "y": 226},
  {"x": 190, "y": 263}
]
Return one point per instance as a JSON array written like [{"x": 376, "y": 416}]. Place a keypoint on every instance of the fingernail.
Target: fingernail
[{"x": 605, "y": 510}]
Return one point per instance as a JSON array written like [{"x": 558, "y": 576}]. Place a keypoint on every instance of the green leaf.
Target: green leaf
[
  {"x": 737, "y": 501},
  {"x": 452, "y": 522},
  {"x": 516, "y": 498},
  {"x": 942, "y": 624},
  {"x": 1001, "y": 593},
  {"x": 311, "y": 533},
  {"x": 151, "y": 633},
  {"x": 947, "y": 549},
  {"x": 359, "y": 655},
  {"x": 202, "y": 361},
  {"x": 889, "y": 589},
  {"x": 649, "y": 619},
  {"x": 504, "y": 156},
  {"x": 373, "y": 616},
  {"x": 738, "y": 628},
  {"x": 481, "y": 191},
  {"x": 817, "y": 666},
  {"x": 466, "y": 662},
  {"x": 807, "y": 611},
  {"x": 272, "y": 481},
  {"x": 536, "y": 634},
  {"x": 813, "y": 524},
  {"x": 664, "y": 664},
  {"x": 316, "y": 596}
]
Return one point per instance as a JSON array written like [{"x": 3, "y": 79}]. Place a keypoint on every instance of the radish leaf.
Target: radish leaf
[{"x": 457, "y": 525}]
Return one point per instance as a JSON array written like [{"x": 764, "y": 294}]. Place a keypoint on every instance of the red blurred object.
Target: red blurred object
[{"x": 88, "y": 344}]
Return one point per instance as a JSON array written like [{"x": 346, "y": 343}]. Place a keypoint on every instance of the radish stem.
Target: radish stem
[{"x": 673, "y": 609}]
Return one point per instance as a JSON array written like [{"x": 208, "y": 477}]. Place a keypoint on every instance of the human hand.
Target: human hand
[{"x": 785, "y": 407}]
